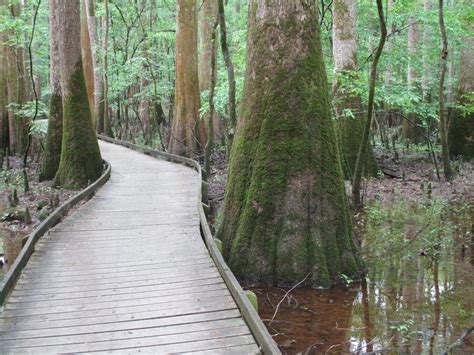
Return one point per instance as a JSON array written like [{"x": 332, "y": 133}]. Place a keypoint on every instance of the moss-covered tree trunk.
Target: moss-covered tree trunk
[
  {"x": 349, "y": 127},
  {"x": 286, "y": 212},
  {"x": 80, "y": 155},
  {"x": 412, "y": 129},
  {"x": 461, "y": 125},
  {"x": 186, "y": 131},
  {"x": 52, "y": 151}
]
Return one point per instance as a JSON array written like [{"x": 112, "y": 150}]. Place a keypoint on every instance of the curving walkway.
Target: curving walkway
[{"x": 128, "y": 272}]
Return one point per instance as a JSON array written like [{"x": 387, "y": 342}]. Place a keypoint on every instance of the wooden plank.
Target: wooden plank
[
  {"x": 105, "y": 317},
  {"x": 30, "y": 288},
  {"x": 163, "y": 344},
  {"x": 76, "y": 342},
  {"x": 83, "y": 310},
  {"x": 173, "y": 320},
  {"x": 48, "y": 304}
]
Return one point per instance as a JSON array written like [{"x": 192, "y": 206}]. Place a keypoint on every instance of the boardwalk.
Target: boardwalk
[{"x": 127, "y": 272}]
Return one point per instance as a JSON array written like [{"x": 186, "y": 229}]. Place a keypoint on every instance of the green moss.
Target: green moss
[
  {"x": 52, "y": 151},
  {"x": 81, "y": 162},
  {"x": 286, "y": 212}
]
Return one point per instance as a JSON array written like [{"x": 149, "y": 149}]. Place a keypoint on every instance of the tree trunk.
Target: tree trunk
[
  {"x": 409, "y": 132},
  {"x": 349, "y": 128},
  {"x": 448, "y": 172},
  {"x": 184, "y": 131},
  {"x": 52, "y": 152},
  {"x": 105, "y": 126},
  {"x": 3, "y": 94},
  {"x": 16, "y": 88},
  {"x": 286, "y": 212},
  {"x": 81, "y": 162},
  {"x": 208, "y": 19},
  {"x": 91, "y": 25},
  {"x": 231, "y": 77},
  {"x": 425, "y": 78},
  {"x": 357, "y": 178},
  {"x": 87, "y": 60},
  {"x": 461, "y": 125}
]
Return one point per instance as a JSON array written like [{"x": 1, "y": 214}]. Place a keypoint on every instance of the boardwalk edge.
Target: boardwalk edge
[
  {"x": 258, "y": 329},
  {"x": 20, "y": 262}
]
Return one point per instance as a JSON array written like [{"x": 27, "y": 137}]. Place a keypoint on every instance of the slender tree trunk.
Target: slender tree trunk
[
  {"x": 231, "y": 78},
  {"x": 357, "y": 179},
  {"x": 184, "y": 131},
  {"x": 91, "y": 25},
  {"x": 208, "y": 49},
  {"x": 425, "y": 78},
  {"x": 87, "y": 59},
  {"x": 409, "y": 131},
  {"x": 80, "y": 162},
  {"x": 210, "y": 120},
  {"x": 105, "y": 123},
  {"x": 16, "y": 87},
  {"x": 3, "y": 94},
  {"x": 349, "y": 128},
  {"x": 286, "y": 213},
  {"x": 448, "y": 172},
  {"x": 52, "y": 152},
  {"x": 461, "y": 125}
]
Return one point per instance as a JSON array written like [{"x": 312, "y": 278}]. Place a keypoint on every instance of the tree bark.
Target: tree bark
[
  {"x": 448, "y": 172},
  {"x": 16, "y": 89},
  {"x": 80, "y": 162},
  {"x": 3, "y": 93},
  {"x": 208, "y": 49},
  {"x": 91, "y": 25},
  {"x": 409, "y": 132},
  {"x": 349, "y": 129},
  {"x": 425, "y": 78},
  {"x": 286, "y": 212},
  {"x": 185, "y": 134},
  {"x": 461, "y": 125},
  {"x": 357, "y": 178},
  {"x": 231, "y": 78},
  {"x": 88, "y": 62},
  {"x": 52, "y": 152}
]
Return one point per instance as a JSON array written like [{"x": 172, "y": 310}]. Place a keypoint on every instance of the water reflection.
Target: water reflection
[{"x": 417, "y": 298}]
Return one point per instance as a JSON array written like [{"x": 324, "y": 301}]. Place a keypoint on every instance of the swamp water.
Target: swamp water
[{"x": 418, "y": 296}]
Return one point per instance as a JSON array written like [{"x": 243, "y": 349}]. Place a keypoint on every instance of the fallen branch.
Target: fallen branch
[
  {"x": 460, "y": 340},
  {"x": 286, "y": 294}
]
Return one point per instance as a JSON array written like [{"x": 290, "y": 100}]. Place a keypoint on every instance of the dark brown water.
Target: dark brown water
[{"x": 418, "y": 296}]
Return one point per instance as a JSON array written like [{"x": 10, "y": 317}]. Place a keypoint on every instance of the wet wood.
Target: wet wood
[{"x": 113, "y": 278}]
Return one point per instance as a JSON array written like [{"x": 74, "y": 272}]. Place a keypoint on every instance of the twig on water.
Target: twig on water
[{"x": 286, "y": 294}]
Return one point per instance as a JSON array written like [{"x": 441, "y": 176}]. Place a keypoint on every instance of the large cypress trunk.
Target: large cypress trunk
[
  {"x": 52, "y": 151},
  {"x": 286, "y": 212},
  {"x": 80, "y": 155},
  {"x": 185, "y": 133},
  {"x": 461, "y": 125},
  {"x": 349, "y": 128}
]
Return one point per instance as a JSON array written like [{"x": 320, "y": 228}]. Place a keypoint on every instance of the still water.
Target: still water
[{"x": 418, "y": 296}]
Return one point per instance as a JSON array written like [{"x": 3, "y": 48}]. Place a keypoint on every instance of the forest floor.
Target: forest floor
[
  {"x": 407, "y": 207},
  {"x": 408, "y": 175},
  {"x": 20, "y": 214}
]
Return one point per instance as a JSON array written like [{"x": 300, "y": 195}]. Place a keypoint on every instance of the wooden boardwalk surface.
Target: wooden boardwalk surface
[{"x": 126, "y": 272}]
